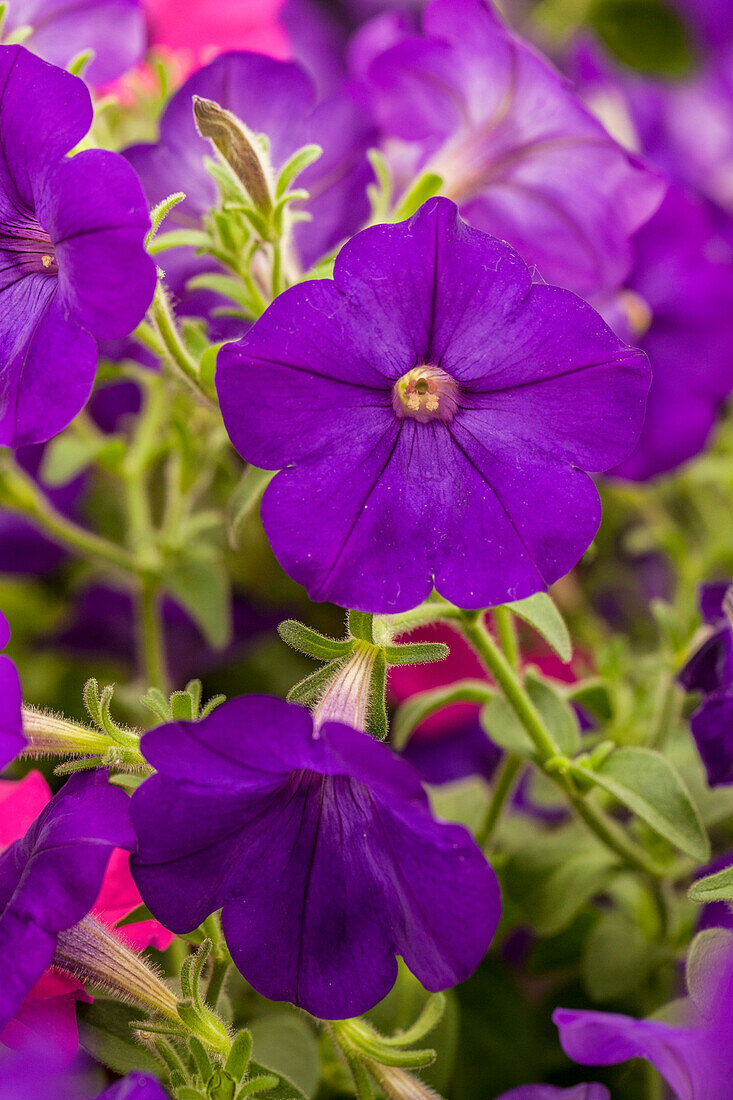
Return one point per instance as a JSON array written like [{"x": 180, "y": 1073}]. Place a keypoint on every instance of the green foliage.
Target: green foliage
[{"x": 541, "y": 613}]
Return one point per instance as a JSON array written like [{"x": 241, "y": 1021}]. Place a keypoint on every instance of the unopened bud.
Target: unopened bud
[
  {"x": 398, "y": 1084},
  {"x": 231, "y": 138},
  {"x": 93, "y": 953}
]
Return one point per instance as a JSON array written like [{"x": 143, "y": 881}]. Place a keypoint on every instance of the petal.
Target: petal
[
  {"x": 114, "y": 29},
  {"x": 682, "y": 1055},
  {"x": 118, "y": 897},
  {"x": 47, "y": 1018},
  {"x": 44, "y": 112},
  {"x": 48, "y": 363},
  {"x": 95, "y": 212},
  {"x": 550, "y": 1092},
  {"x": 712, "y": 728},
  {"x": 12, "y": 739},
  {"x": 25, "y": 951},
  {"x": 21, "y": 801}
]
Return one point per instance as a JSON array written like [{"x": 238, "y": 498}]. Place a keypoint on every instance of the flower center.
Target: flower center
[
  {"x": 25, "y": 249},
  {"x": 425, "y": 393}
]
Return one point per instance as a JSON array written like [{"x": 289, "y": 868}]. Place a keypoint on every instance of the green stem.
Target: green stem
[
  {"x": 219, "y": 971},
  {"x": 507, "y": 635},
  {"x": 20, "y": 493},
  {"x": 176, "y": 354},
  {"x": 612, "y": 835},
  {"x": 503, "y": 784},
  {"x": 509, "y": 682},
  {"x": 152, "y": 646}
]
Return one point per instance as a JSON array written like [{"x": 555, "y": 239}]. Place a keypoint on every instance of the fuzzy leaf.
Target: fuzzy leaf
[
  {"x": 104, "y": 1032},
  {"x": 646, "y": 782},
  {"x": 540, "y": 612},
  {"x": 717, "y": 887}
]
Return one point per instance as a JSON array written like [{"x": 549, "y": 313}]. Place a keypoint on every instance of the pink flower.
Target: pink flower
[
  {"x": 204, "y": 28},
  {"x": 49, "y": 1009}
]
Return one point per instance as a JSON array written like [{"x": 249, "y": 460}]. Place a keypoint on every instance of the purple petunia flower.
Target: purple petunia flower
[
  {"x": 710, "y": 671},
  {"x": 514, "y": 146},
  {"x": 113, "y": 29},
  {"x": 692, "y": 1048},
  {"x": 320, "y": 848},
  {"x": 678, "y": 307},
  {"x": 12, "y": 739},
  {"x": 549, "y": 1092},
  {"x": 50, "y": 879},
  {"x": 275, "y": 98},
  {"x": 30, "y": 1078},
  {"x": 68, "y": 227},
  {"x": 435, "y": 411}
]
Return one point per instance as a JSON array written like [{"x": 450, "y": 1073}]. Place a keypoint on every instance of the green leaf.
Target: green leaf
[
  {"x": 298, "y": 162},
  {"x": 246, "y": 499},
  {"x": 67, "y": 456},
  {"x": 505, "y": 729},
  {"x": 416, "y": 653},
  {"x": 104, "y": 1032},
  {"x": 540, "y": 612},
  {"x": 202, "y": 586},
  {"x": 717, "y": 887},
  {"x": 312, "y": 642},
  {"x": 139, "y": 914},
  {"x": 617, "y": 958},
  {"x": 286, "y": 1045},
  {"x": 550, "y": 879},
  {"x": 644, "y": 34},
  {"x": 464, "y": 801},
  {"x": 646, "y": 782},
  {"x": 421, "y": 190},
  {"x": 595, "y": 696},
  {"x": 419, "y": 707}
]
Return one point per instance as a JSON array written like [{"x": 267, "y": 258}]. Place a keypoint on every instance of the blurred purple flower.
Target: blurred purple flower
[
  {"x": 113, "y": 29},
  {"x": 710, "y": 671},
  {"x": 23, "y": 548},
  {"x": 50, "y": 879},
  {"x": 68, "y": 226},
  {"x": 452, "y": 404},
  {"x": 36, "y": 1076},
  {"x": 12, "y": 740},
  {"x": 515, "y": 147},
  {"x": 693, "y": 1052},
  {"x": 320, "y": 848},
  {"x": 678, "y": 307}
]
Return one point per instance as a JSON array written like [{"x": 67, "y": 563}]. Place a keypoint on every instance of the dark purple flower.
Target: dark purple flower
[
  {"x": 38, "y": 1077},
  {"x": 275, "y": 98},
  {"x": 114, "y": 29},
  {"x": 678, "y": 307},
  {"x": 710, "y": 671},
  {"x": 435, "y": 411},
  {"x": 139, "y": 1086},
  {"x": 514, "y": 146},
  {"x": 50, "y": 879},
  {"x": 69, "y": 226},
  {"x": 550, "y": 1092},
  {"x": 12, "y": 740},
  {"x": 320, "y": 848}
]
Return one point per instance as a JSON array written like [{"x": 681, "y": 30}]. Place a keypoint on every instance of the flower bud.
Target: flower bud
[
  {"x": 93, "y": 953},
  {"x": 398, "y": 1084},
  {"x": 231, "y": 138},
  {"x": 346, "y": 699}
]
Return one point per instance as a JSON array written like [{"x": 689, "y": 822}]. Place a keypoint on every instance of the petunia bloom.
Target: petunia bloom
[
  {"x": 50, "y": 878},
  {"x": 710, "y": 671},
  {"x": 692, "y": 1050},
  {"x": 435, "y": 411},
  {"x": 48, "y": 1012},
  {"x": 515, "y": 147},
  {"x": 320, "y": 850},
  {"x": 68, "y": 227},
  {"x": 114, "y": 29},
  {"x": 12, "y": 739},
  {"x": 37, "y": 1074},
  {"x": 677, "y": 307}
]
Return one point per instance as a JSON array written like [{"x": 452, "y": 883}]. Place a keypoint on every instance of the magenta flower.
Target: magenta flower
[
  {"x": 515, "y": 147},
  {"x": 435, "y": 412},
  {"x": 113, "y": 29},
  {"x": 320, "y": 850},
  {"x": 50, "y": 878},
  {"x": 68, "y": 227},
  {"x": 12, "y": 739}
]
